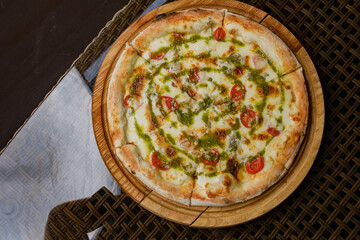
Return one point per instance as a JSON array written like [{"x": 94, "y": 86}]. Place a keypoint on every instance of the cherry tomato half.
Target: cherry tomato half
[
  {"x": 194, "y": 75},
  {"x": 157, "y": 56},
  {"x": 219, "y": 34},
  {"x": 211, "y": 158},
  {"x": 237, "y": 93},
  {"x": 158, "y": 163},
  {"x": 255, "y": 166},
  {"x": 273, "y": 132},
  {"x": 126, "y": 103},
  {"x": 170, "y": 103},
  {"x": 248, "y": 118}
]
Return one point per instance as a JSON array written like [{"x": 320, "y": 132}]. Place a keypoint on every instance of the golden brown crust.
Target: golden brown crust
[
  {"x": 247, "y": 187},
  {"x": 297, "y": 132},
  {"x": 128, "y": 154},
  {"x": 115, "y": 97},
  {"x": 191, "y": 21},
  {"x": 273, "y": 46}
]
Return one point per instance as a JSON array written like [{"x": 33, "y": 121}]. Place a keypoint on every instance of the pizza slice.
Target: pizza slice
[{"x": 255, "y": 160}]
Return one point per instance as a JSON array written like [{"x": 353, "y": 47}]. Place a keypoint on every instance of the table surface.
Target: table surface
[{"x": 39, "y": 41}]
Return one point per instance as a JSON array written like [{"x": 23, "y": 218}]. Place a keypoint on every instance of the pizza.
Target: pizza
[{"x": 206, "y": 107}]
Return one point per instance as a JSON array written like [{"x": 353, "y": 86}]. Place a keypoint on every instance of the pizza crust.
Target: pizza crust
[
  {"x": 129, "y": 157},
  {"x": 190, "y": 21},
  {"x": 249, "y": 32},
  {"x": 115, "y": 95},
  {"x": 286, "y": 152},
  {"x": 190, "y": 192}
]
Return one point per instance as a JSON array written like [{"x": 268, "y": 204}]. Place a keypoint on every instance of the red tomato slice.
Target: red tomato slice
[
  {"x": 219, "y": 34},
  {"x": 211, "y": 158},
  {"x": 273, "y": 132},
  {"x": 247, "y": 116},
  {"x": 170, "y": 103},
  {"x": 237, "y": 93},
  {"x": 158, "y": 163},
  {"x": 137, "y": 104},
  {"x": 194, "y": 75},
  {"x": 157, "y": 56},
  {"x": 255, "y": 166},
  {"x": 126, "y": 103}
]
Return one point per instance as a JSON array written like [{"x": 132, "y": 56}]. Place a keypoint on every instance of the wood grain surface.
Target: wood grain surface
[{"x": 211, "y": 216}]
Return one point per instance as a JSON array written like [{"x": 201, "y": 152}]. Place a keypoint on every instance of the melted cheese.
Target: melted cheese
[
  {"x": 215, "y": 75},
  {"x": 174, "y": 176}
]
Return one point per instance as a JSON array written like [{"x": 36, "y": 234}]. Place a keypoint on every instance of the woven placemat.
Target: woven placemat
[{"x": 326, "y": 205}]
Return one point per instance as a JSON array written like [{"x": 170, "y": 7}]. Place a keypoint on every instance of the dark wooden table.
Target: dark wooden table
[{"x": 39, "y": 39}]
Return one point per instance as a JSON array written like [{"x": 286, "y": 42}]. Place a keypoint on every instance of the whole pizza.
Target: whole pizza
[{"x": 207, "y": 107}]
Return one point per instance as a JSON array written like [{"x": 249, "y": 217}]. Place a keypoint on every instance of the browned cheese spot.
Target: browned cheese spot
[
  {"x": 227, "y": 183},
  {"x": 255, "y": 47},
  {"x": 170, "y": 151},
  {"x": 231, "y": 49},
  {"x": 233, "y": 31},
  {"x": 260, "y": 92},
  {"x": 191, "y": 92},
  {"x": 261, "y": 137},
  {"x": 293, "y": 98},
  {"x": 209, "y": 168},
  {"x": 247, "y": 59},
  {"x": 178, "y": 36},
  {"x": 189, "y": 53},
  {"x": 233, "y": 167},
  {"x": 246, "y": 141},
  {"x": 138, "y": 84},
  {"x": 230, "y": 121},
  {"x": 261, "y": 120},
  {"x": 221, "y": 134},
  {"x": 273, "y": 91},
  {"x": 152, "y": 125},
  {"x": 239, "y": 71},
  {"x": 270, "y": 107},
  {"x": 214, "y": 194},
  {"x": 212, "y": 61},
  {"x": 294, "y": 117}
]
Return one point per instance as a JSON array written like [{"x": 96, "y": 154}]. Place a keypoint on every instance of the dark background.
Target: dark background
[{"x": 39, "y": 40}]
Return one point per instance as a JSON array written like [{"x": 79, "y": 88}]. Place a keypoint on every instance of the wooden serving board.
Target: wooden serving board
[{"x": 210, "y": 216}]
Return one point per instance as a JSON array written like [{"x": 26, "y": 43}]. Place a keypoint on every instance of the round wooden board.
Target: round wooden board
[{"x": 211, "y": 217}]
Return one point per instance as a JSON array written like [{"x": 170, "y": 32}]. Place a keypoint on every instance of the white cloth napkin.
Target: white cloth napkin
[{"x": 53, "y": 159}]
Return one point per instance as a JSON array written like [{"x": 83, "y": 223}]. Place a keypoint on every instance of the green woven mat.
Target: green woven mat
[{"x": 326, "y": 205}]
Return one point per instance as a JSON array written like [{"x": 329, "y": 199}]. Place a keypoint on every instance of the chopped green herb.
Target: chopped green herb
[
  {"x": 205, "y": 103},
  {"x": 208, "y": 140},
  {"x": 237, "y": 125},
  {"x": 171, "y": 139}
]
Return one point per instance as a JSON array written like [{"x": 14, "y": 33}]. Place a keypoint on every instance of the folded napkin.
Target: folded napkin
[{"x": 53, "y": 159}]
